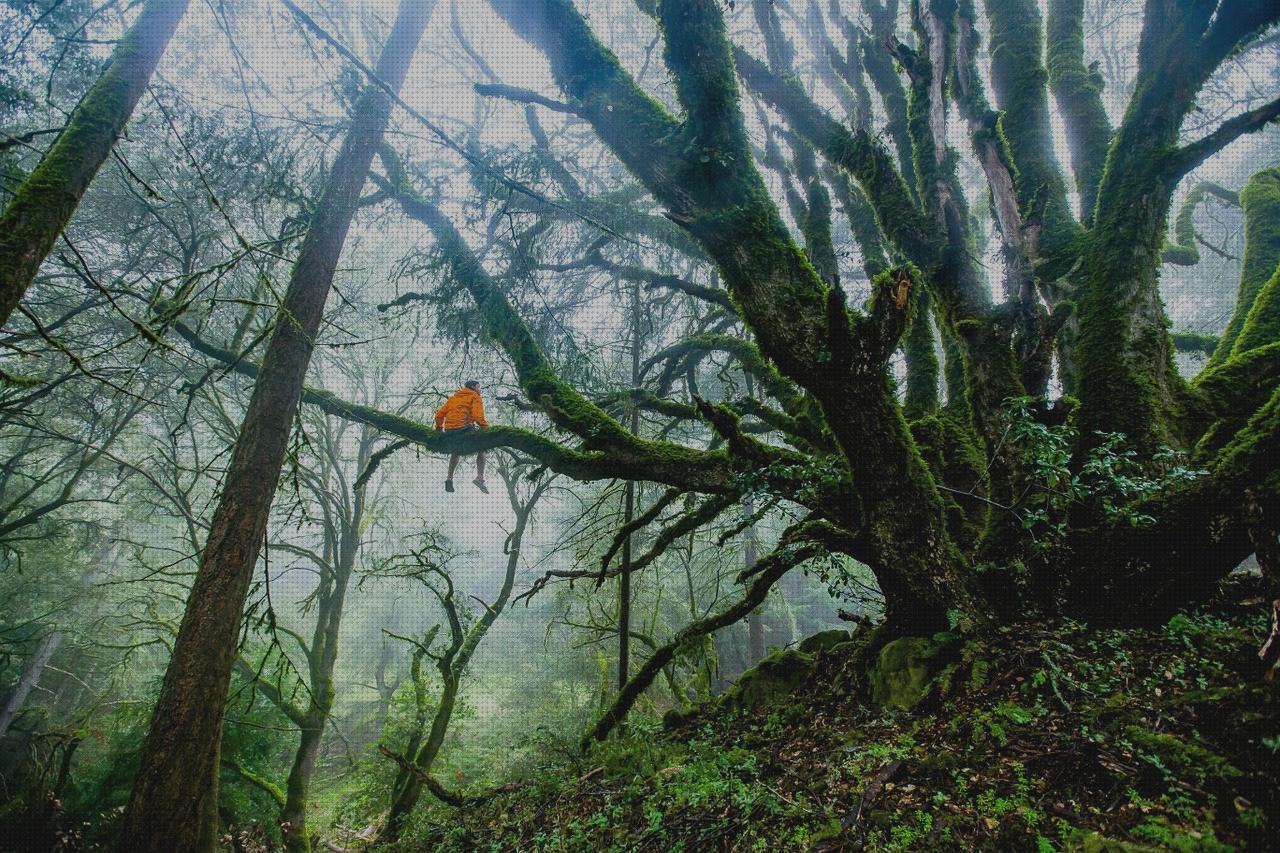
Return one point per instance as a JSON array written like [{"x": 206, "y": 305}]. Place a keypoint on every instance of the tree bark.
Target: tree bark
[
  {"x": 174, "y": 801},
  {"x": 45, "y": 201},
  {"x": 1078, "y": 92},
  {"x": 30, "y": 678}
]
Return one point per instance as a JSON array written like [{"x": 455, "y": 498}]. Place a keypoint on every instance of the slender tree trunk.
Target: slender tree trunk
[
  {"x": 755, "y": 620},
  {"x": 407, "y": 788},
  {"x": 629, "y": 506},
  {"x": 323, "y": 657},
  {"x": 293, "y": 817},
  {"x": 174, "y": 801},
  {"x": 45, "y": 201},
  {"x": 30, "y": 678}
]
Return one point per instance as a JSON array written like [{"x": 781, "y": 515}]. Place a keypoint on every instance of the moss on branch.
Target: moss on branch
[
  {"x": 1260, "y": 200},
  {"x": 695, "y": 470}
]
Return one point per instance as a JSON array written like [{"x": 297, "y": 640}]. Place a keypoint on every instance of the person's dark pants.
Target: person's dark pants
[{"x": 455, "y": 458}]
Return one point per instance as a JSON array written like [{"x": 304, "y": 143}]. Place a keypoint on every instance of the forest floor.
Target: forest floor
[{"x": 1042, "y": 737}]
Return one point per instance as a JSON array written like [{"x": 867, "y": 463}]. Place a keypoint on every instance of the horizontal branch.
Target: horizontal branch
[
  {"x": 523, "y": 96},
  {"x": 1192, "y": 155},
  {"x": 693, "y": 470}
]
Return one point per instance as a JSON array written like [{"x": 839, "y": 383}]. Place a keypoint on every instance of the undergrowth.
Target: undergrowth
[{"x": 1041, "y": 736}]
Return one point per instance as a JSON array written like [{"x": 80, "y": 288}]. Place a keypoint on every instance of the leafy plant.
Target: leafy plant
[{"x": 1111, "y": 480}]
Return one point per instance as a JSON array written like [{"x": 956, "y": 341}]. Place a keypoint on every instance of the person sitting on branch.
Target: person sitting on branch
[{"x": 463, "y": 411}]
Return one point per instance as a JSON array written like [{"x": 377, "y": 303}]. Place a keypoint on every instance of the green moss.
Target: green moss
[
  {"x": 922, "y": 359},
  {"x": 880, "y": 68},
  {"x": 1175, "y": 755},
  {"x": 824, "y": 641},
  {"x": 1127, "y": 379},
  {"x": 1226, "y": 396},
  {"x": 1260, "y": 200},
  {"x": 1020, "y": 82},
  {"x": 774, "y": 678},
  {"x": 1093, "y": 842},
  {"x": 1183, "y": 250},
  {"x": 903, "y": 674},
  {"x": 1078, "y": 92},
  {"x": 1262, "y": 326},
  {"x": 954, "y": 455}
]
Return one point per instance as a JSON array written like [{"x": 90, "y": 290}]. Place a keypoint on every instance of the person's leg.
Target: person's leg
[
  {"x": 479, "y": 480},
  {"x": 453, "y": 466}
]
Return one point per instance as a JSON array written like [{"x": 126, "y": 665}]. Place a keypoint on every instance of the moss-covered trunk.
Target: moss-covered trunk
[
  {"x": 293, "y": 817},
  {"x": 174, "y": 801},
  {"x": 45, "y": 201},
  {"x": 1128, "y": 382},
  {"x": 1260, "y": 200},
  {"x": 1078, "y": 92}
]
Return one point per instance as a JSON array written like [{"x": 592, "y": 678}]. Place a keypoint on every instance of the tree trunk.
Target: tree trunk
[
  {"x": 45, "y": 201},
  {"x": 293, "y": 817},
  {"x": 407, "y": 788},
  {"x": 755, "y": 620},
  {"x": 173, "y": 804},
  {"x": 629, "y": 505},
  {"x": 1128, "y": 382},
  {"x": 1260, "y": 199},
  {"x": 30, "y": 678}
]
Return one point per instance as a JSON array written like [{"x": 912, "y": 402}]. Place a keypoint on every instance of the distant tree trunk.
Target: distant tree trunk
[
  {"x": 45, "y": 201},
  {"x": 174, "y": 799},
  {"x": 386, "y": 686},
  {"x": 421, "y": 755},
  {"x": 755, "y": 621},
  {"x": 30, "y": 678},
  {"x": 322, "y": 657},
  {"x": 629, "y": 505}
]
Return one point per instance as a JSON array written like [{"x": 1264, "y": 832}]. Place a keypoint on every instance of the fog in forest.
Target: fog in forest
[{"x": 823, "y": 379}]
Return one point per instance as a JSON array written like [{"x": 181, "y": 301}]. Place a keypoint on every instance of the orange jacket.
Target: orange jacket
[{"x": 463, "y": 409}]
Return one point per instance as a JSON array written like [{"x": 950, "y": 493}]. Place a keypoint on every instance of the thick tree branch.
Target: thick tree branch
[
  {"x": 1192, "y": 155},
  {"x": 704, "y": 471}
]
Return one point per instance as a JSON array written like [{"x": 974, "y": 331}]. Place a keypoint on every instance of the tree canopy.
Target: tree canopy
[{"x": 941, "y": 314}]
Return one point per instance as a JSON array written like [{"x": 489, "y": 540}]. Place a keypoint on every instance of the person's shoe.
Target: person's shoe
[
  {"x": 481, "y": 485},
  {"x": 448, "y": 485}
]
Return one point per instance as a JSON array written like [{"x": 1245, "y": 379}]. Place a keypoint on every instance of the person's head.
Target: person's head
[{"x": 473, "y": 385}]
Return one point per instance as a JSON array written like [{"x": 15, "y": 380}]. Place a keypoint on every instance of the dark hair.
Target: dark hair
[{"x": 473, "y": 384}]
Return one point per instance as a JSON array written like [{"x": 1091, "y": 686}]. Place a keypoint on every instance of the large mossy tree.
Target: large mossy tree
[
  {"x": 1069, "y": 469},
  {"x": 943, "y": 531}
]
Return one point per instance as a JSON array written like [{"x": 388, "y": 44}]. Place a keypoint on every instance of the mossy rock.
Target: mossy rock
[
  {"x": 774, "y": 678},
  {"x": 824, "y": 641},
  {"x": 904, "y": 673}
]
